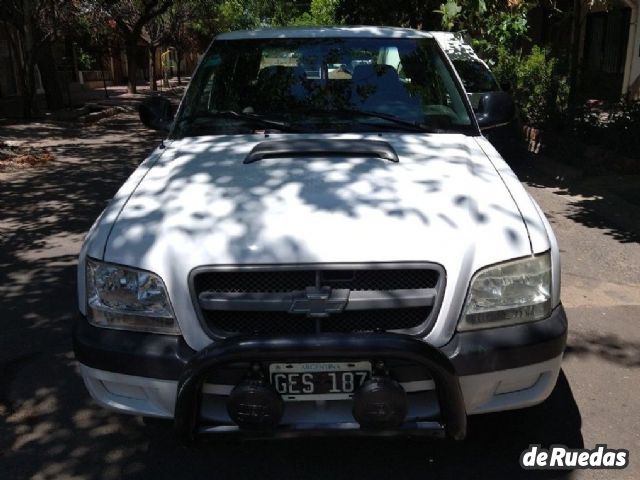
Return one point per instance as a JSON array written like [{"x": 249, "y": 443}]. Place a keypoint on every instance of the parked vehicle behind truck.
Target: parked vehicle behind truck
[{"x": 478, "y": 80}]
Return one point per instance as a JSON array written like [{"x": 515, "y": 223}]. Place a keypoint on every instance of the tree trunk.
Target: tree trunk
[
  {"x": 178, "y": 58},
  {"x": 49, "y": 75},
  {"x": 152, "y": 68},
  {"x": 74, "y": 56},
  {"x": 132, "y": 65},
  {"x": 14, "y": 59},
  {"x": 28, "y": 76},
  {"x": 29, "y": 89},
  {"x": 575, "y": 57}
]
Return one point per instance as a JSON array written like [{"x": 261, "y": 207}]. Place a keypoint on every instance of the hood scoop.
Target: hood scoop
[{"x": 323, "y": 148}]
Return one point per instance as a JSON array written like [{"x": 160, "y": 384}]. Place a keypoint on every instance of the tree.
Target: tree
[
  {"x": 246, "y": 14},
  {"x": 98, "y": 36},
  {"x": 575, "y": 56},
  {"x": 38, "y": 23},
  {"x": 129, "y": 19},
  {"x": 321, "y": 12},
  {"x": 498, "y": 22},
  {"x": 417, "y": 14},
  {"x": 181, "y": 25},
  {"x": 154, "y": 33}
]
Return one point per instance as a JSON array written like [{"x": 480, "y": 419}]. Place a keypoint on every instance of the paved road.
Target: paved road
[{"x": 49, "y": 428}]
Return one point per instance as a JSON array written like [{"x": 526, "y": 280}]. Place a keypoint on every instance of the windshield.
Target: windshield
[{"x": 323, "y": 85}]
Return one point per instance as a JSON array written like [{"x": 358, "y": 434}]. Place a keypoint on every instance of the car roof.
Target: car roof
[{"x": 325, "y": 32}]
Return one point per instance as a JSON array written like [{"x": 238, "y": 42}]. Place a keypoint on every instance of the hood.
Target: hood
[
  {"x": 200, "y": 205},
  {"x": 197, "y": 204}
]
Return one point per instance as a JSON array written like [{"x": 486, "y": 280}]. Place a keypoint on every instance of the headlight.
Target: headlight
[
  {"x": 513, "y": 292},
  {"x": 128, "y": 299}
]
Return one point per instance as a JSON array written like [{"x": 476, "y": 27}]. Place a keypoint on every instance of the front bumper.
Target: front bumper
[
  {"x": 487, "y": 370},
  {"x": 317, "y": 348}
]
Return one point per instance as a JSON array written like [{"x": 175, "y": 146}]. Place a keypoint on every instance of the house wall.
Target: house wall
[
  {"x": 632, "y": 79},
  {"x": 635, "y": 54}
]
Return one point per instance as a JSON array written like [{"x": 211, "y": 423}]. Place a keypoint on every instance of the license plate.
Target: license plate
[{"x": 318, "y": 381}]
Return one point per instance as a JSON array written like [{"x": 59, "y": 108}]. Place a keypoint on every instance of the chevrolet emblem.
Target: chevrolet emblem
[{"x": 319, "y": 302}]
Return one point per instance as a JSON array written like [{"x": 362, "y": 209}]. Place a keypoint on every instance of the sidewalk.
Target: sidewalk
[
  {"x": 609, "y": 202},
  {"x": 116, "y": 95}
]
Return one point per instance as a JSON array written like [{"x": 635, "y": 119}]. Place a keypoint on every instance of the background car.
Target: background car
[{"x": 478, "y": 80}]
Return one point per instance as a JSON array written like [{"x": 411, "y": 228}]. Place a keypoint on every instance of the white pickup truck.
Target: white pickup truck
[{"x": 325, "y": 241}]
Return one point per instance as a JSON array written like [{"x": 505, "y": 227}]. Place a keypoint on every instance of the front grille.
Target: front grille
[
  {"x": 405, "y": 319},
  {"x": 289, "y": 280},
  {"x": 282, "y": 323}
]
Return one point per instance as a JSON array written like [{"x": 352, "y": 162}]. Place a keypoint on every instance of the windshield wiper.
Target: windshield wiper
[
  {"x": 243, "y": 116},
  {"x": 353, "y": 112}
]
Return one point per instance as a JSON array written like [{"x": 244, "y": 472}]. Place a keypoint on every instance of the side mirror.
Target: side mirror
[
  {"x": 505, "y": 86},
  {"x": 157, "y": 113},
  {"x": 495, "y": 109}
]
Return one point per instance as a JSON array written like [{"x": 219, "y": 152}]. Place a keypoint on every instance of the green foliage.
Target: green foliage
[
  {"x": 236, "y": 15},
  {"x": 540, "y": 93},
  {"x": 499, "y": 37},
  {"x": 504, "y": 65},
  {"x": 624, "y": 127},
  {"x": 449, "y": 12},
  {"x": 85, "y": 61},
  {"x": 535, "y": 87},
  {"x": 615, "y": 127},
  {"x": 321, "y": 13},
  {"x": 404, "y": 13},
  {"x": 324, "y": 11},
  {"x": 500, "y": 20},
  {"x": 506, "y": 29}
]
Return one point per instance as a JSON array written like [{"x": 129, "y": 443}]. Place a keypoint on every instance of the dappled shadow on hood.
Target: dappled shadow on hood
[{"x": 199, "y": 193}]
